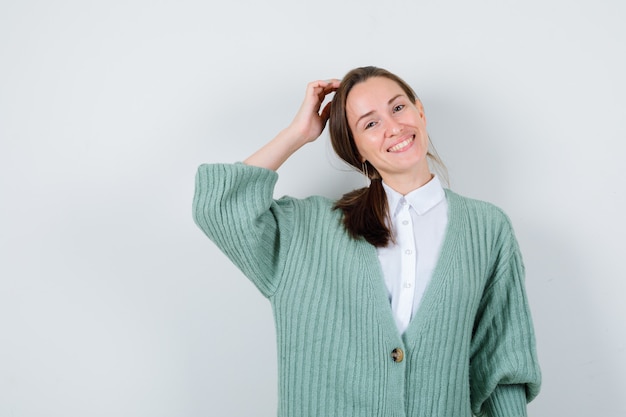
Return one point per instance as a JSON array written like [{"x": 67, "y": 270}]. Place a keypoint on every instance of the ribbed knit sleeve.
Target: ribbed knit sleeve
[
  {"x": 233, "y": 204},
  {"x": 504, "y": 371}
]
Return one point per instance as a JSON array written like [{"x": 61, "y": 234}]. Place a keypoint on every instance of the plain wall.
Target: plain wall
[{"x": 113, "y": 303}]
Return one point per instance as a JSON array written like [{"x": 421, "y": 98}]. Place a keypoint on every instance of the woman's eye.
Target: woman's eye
[
  {"x": 398, "y": 107},
  {"x": 370, "y": 124}
]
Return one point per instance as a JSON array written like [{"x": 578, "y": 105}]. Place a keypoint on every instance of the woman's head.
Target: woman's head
[
  {"x": 373, "y": 111},
  {"x": 341, "y": 135}
]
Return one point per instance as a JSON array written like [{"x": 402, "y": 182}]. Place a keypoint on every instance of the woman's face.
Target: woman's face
[{"x": 389, "y": 129}]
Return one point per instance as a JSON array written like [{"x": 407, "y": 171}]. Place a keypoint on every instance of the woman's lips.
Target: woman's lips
[{"x": 400, "y": 146}]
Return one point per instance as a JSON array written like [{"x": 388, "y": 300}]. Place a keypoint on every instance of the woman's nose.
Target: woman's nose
[{"x": 393, "y": 127}]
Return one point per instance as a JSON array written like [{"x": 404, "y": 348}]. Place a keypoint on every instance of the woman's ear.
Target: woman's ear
[{"x": 420, "y": 109}]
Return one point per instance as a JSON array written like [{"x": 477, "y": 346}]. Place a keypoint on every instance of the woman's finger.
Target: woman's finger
[{"x": 318, "y": 90}]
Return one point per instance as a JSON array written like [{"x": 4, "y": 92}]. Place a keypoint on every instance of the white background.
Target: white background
[{"x": 113, "y": 303}]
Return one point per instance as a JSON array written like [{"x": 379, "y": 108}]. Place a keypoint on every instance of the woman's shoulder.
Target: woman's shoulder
[{"x": 477, "y": 209}]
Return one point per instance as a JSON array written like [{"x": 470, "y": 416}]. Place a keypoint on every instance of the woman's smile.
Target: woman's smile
[{"x": 402, "y": 146}]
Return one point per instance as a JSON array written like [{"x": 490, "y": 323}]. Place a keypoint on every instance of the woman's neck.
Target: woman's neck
[{"x": 407, "y": 182}]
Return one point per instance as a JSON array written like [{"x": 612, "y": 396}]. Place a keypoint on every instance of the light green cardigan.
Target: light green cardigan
[{"x": 469, "y": 348}]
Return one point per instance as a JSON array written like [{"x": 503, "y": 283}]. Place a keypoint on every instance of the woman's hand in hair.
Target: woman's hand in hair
[
  {"x": 309, "y": 122},
  {"x": 306, "y": 126}
]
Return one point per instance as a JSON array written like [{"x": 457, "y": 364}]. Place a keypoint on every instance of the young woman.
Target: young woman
[{"x": 400, "y": 299}]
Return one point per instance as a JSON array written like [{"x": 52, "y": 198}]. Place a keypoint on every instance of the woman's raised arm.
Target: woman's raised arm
[{"x": 306, "y": 126}]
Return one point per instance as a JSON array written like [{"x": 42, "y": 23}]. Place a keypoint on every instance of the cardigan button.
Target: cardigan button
[{"x": 397, "y": 355}]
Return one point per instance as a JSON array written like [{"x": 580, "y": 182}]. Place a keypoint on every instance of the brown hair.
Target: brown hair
[{"x": 365, "y": 210}]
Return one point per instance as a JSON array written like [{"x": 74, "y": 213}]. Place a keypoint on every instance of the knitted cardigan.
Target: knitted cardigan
[{"x": 470, "y": 347}]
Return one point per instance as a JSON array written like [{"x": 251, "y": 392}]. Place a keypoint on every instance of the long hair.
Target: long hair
[{"x": 365, "y": 210}]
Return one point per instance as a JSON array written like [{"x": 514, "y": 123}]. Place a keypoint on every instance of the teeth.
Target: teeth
[{"x": 401, "y": 145}]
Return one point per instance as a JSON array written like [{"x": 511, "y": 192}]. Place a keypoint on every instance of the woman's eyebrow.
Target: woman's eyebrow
[{"x": 369, "y": 113}]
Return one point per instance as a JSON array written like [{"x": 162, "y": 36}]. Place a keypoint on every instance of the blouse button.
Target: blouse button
[{"x": 397, "y": 355}]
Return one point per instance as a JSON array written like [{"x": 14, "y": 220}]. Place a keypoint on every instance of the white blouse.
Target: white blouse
[{"x": 419, "y": 221}]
